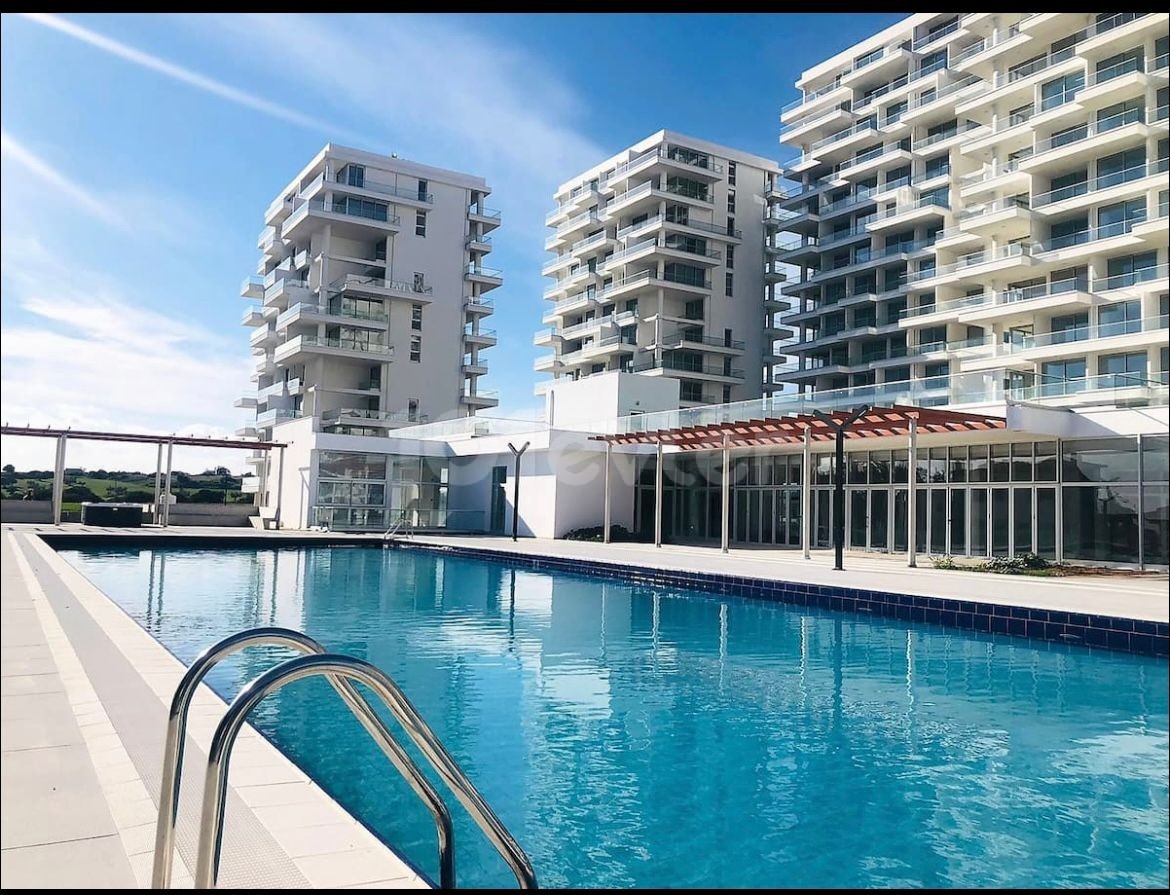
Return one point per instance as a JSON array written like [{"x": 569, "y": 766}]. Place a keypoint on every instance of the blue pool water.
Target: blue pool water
[{"x": 633, "y": 736}]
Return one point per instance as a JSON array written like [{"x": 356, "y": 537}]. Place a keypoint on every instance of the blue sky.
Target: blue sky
[{"x": 139, "y": 153}]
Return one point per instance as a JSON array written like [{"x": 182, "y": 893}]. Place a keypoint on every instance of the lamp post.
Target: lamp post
[
  {"x": 839, "y": 428},
  {"x": 517, "y": 453}
]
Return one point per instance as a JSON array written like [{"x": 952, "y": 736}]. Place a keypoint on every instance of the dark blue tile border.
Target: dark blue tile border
[
  {"x": 1128, "y": 635},
  {"x": 1055, "y": 626}
]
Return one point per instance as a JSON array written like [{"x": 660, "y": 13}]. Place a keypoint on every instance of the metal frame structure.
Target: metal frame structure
[
  {"x": 341, "y": 672},
  {"x": 803, "y": 429},
  {"x": 162, "y": 486}
]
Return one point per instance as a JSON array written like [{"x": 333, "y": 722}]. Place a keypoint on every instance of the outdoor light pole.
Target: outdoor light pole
[
  {"x": 516, "y": 485},
  {"x": 839, "y": 428}
]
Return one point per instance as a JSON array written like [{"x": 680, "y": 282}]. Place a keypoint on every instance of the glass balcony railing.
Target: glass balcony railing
[
  {"x": 367, "y": 211},
  {"x": 1091, "y": 234},
  {"x": 359, "y": 345},
  {"x": 1091, "y": 129},
  {"x": 1101, "y": 182},
  {"x": 1097, "y": 330}
]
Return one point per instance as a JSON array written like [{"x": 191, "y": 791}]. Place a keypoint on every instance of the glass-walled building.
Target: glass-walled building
[
  {"x": 374, "y": 491},
  {"x": 1094, "y": 500}
]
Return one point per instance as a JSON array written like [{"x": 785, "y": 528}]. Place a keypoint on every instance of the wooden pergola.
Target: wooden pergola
[
  {"x": 798, "y": 428},
  {"x": 162, "y": 484}
]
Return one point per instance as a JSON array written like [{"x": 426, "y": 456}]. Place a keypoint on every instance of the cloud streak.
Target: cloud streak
[
  {"x": 178, "y": 72},
  {"x": 87, "y": 201}
]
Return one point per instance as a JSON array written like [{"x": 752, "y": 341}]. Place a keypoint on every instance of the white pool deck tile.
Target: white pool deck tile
[
  {"x": 80, "y": 784},
  {"x": 1137, "y": 596}
]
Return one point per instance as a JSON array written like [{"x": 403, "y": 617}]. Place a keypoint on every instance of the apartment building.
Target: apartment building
[
  {"x": 981, "y": 209},
  {"x": 660, "y": 269},
  {"x": 369, "y": 303}
]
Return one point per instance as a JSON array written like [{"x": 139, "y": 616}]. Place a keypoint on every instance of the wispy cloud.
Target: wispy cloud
[
  {"x": 444, "y": 95},
  {"x": 90, "y": 355},
  {"x": 83, "y": 198},
  {"x": 179, "y": 73}
]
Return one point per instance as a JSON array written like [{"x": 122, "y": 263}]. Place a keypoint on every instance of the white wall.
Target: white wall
[{"x": 606, "y": 396}]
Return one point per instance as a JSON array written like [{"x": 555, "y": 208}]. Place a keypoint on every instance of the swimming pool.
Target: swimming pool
[{"x": 634, "y": 736}]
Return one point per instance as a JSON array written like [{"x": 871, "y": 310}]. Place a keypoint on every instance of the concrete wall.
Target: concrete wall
[
  {"x": 607, "y": 396},
  {"x": 26, "y": 511},
  {"x": 230, "y": 514}
]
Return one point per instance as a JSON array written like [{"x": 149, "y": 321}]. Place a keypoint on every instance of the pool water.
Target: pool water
[{"x": 634, "y": 736}]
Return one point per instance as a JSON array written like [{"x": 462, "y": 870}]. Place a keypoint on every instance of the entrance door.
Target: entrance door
[{"x": 499, "y": 499}]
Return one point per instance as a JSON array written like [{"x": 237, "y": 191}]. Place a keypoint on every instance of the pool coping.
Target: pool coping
[
  {"x": 346, "y": 853},
  {"x": 1092, "y": 630}
]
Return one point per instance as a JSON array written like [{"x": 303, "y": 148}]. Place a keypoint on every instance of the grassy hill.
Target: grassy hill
[{"x": 210, "y": 486}]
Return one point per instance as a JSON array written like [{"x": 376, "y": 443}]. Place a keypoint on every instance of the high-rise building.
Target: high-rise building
[
  {"x": 660, "y": 270},
  {"x": 982, "y": 209},
  {"x": 370, "y": 296}
]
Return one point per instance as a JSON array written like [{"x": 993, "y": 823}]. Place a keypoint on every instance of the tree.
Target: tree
[{"x": 9, "y": 468}]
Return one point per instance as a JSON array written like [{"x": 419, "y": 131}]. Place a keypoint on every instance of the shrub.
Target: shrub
[
  {"x": 594, "y": 533},
  {"x": 944, "y": 562},
  {"x": 1015, "y": 565}
]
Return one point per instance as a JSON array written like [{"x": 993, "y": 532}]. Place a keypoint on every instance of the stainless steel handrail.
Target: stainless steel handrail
[
  {"x": 177, "y": 734},
  {"x": 337, "y": 667}
]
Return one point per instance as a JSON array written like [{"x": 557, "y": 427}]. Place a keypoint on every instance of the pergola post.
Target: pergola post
[
  {"x": 59, "y": 480},
  {"x": 279, "y": 486},
  {"x": 166, "y": 507},
  {"x": 158, "y": 484},
  {"x": 606, "y": 515},
  {"x": 658, "y": 497},
  {"x": 911, "y": 509},
  {"x": 725, "y": 496},
  {"x": 806, "y": 495}
]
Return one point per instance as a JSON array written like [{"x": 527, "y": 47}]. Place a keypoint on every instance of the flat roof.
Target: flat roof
[{"x": 874, "y": 423}]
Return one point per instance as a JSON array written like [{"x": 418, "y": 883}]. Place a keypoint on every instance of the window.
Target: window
[
  {"x": 1059, "y": 91},
  {"x": 355, "y": 175},
  {"x": 419, "y": 283},
  {"x": 412, "y": 409},
  {"x": 1130, "y": 269},
  {"x": 731, "y": 173},
  {"x": 1074, "y": 183},
  {"x": 1119, "y": 318},
  {"x": 1121, "y": 370},
  {"x": 690, "y": 390},
  {"x": 416, "y": 312},
  {"x": 730, "y": 257},
  {"x": 1020, "y": 115},
  {"x": 416, "y": 349},
  {"x": 1062, "y": 377},
  {"x": 1118, "y": 218},
  {"x": 936, "y": 167},
  {"x": 1070, "y": 328},
  {"x": 420, "y": 223},
  {"x": 727, "y": 394},
  {"x": 423, "y": 195},
  {"x": 932, "y": 62},
  {"x": 731, "y": 226},
  {"x": 1120, "y": 114},
  {"x": 731, "y": 201},
  {"x": 894, "y": 111},
  {"x": 728, "y": 284},
  {"x": 1121, "y": 167}
]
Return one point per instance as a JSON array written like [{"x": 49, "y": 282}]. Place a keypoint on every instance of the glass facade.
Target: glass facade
[
  {"x": 1098, "y": 500},
  {"x": 375, "y": 491}
]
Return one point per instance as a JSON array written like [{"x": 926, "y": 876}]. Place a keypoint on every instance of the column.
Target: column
[
  {"x": 606, "y": 515},
  {"x": 911, "y": 510},
  {"x": 806, "y": 510},
  {"x": 725, "y": 502},
  {"x": 279, "y": 486},
  {"x": 158, "y": 484},
  {"x": 166, "y": 507},
  {"x": 59, "y": 480},
  {"x": 658, "y": 498}
]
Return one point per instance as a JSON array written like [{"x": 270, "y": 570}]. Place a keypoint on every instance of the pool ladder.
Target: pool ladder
[{"x": 341, "y": 672}]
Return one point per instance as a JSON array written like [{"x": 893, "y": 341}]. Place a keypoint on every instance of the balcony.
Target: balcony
[
  {"x": 355, "y": 348},
  {"x": 488, "y": 217},
  {"x": 1142, "y": 281},
  {"x": 1071, "y": 245},
  {"x": 1119, "y": 81},
  {"x": 410, "y": 196},
  {"x": 876, "y": 64},
  {"x": 379, "y": 287},
  {"x": 671, "y": 364},
  {"x": 480, "y": 398},
  {"x": 1107, "y": 336},
  {"x": 311, "y": 312},
  {"x": 904, "y": 214},
  {"x": 982, "y": 263},
  {"x": 833, "y": 116},
  {"x": 990, "y": 177},
  {"x": 868, "y": 162},
  {"x": 362, "y": 416},
  {"x": 254, "y": 316},
  {"x": 986, "y": 49},
  {"x": 355, "y": 219},
  {"x": 272, "y": 417},
  {"x": 1071, "y": 294},
  {"x": 1104, "y": 188},
  {"x": 1093, "y": 139},
  {"x": 252, "y": 287},
  {"x": 487, "y": 277},
  {"x": 479, "y": 305},
  {"x": 248, "y": 402},
  {"x": 1007, "y": 218},
  {"x": 702, "y": 343},
  {"x": 481, "y": 337}
]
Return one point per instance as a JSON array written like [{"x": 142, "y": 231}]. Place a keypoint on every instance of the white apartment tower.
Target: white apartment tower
[
  {"x": 660, "y": 270},
  {"x": 982, "y": 208},
  {"x": 370, "y": 296}
]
